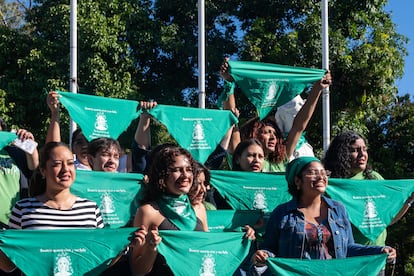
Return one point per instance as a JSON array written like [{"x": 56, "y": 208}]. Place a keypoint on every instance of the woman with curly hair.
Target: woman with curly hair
[
  {"x": 271, "y": 138},
  {"x": 347, "y": 157},
  {"x": 278, "y": 149},
  {"x": 167, "y": 206}
]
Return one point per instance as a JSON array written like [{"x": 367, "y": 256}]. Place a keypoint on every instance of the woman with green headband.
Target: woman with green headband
[{"x": 311, "y": 226}]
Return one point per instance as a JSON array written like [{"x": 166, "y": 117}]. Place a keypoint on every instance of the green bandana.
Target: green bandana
[
  {"x": 179, "y": 211},
  {"x": 371, "y": 204},
  {"x": 250, "y": 190},
  {"x": 6, "y": 138},
  {"x": 117, "y": 194},
  {"x": 353, "y": 266},
  {"x": 203, "y": 253},
  {"x": 100, "y": 116},
  {"x": 296, "y": 165},
  {"x": 231, "y": 220},
  {"x": 64, "y": 252},
  {"x": 195, "y": 129},
  {"x": 271, "y": 85}
]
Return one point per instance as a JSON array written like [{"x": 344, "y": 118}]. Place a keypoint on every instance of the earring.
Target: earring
[
  {"x": 297, "y": 188},
  {"x": 161, "y": 185}
]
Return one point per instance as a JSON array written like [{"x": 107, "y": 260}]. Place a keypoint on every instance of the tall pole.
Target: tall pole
[
  {"x": 73, "y": 58},
  {"x": 325, "y": 65},
  {"x": 201, "y": 55}
]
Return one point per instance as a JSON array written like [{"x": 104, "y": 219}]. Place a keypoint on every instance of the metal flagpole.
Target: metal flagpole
[
  {"x": 73, "y": 58},
  {"x": 325, "y": 65},
  {"x": 201, "y": 55}
]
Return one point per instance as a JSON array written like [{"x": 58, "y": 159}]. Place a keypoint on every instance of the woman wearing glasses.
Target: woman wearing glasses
[
  {"x": 347, "y": 157},
  {"x": 311, "y": 226}
]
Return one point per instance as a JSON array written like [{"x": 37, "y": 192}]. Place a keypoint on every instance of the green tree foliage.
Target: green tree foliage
[{"x": 145, "y": 49}]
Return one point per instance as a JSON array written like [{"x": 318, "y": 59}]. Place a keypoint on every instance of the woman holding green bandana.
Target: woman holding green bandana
[
  {"x": 166, "y": 206},
  {"x": 347, "y": 157},
  {"x": 311, "y": 226},
  {"x": 278, "y": 149}
]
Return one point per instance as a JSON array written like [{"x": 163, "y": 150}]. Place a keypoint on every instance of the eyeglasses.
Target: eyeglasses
[{"x": 314, "y": 173}]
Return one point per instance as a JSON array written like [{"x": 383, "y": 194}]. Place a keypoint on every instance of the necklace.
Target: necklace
[{"x": 61, "y": 205}]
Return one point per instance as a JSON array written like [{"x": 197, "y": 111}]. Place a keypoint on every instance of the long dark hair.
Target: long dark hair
[
  {"x": 38, "y": 182},
  {"x": 338, "y": 159}
]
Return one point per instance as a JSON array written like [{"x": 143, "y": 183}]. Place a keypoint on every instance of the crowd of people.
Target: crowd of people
[{"x": 177, "y": 189}]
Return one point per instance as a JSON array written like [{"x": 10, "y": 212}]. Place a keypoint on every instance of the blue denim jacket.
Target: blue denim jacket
[{"x": 285, "y": 232}]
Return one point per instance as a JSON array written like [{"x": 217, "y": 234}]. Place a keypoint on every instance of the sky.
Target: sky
[{"x": 402, "y": 12}]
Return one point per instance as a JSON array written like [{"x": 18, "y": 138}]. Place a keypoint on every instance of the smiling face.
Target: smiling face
[
  {"x": 59, "y": 169},
  {"x": 198, "y": 195},
  {"x": 179, "y": 176},
  {"x": 252, "y": 159},
  {"x": 313, "y": 180},
  {"x": 106, "y": 159},
  {"x": 359, "y": 156}
]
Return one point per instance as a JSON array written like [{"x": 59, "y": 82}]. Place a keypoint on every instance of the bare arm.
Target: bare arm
[
  {"x": 408, "y": 203},
  {"x": 143, "y": 132},
  {"x": 5, "y": 264},
  {"x": 305, "y": 114},
  {"x": 230, "y": 104},
  {"x": 53, "y": 132},
  {"x": 143, "y": 256}
]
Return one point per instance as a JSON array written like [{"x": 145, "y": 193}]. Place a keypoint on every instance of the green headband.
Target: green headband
[{"x": 296, "y": 165}]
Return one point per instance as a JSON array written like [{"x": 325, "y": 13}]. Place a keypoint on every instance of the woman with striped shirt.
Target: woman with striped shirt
[{"x": 52, "y": 205}]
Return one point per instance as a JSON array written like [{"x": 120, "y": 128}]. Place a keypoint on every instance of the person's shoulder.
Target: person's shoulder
[
  {"x": 27, "y": 201},
  {"x": 333, "y": 203},
  {"x": 150, "y": 208},
  {"x": 288, "y": 206},
  {"x": 375, "y": 175},
  {"x": 150, "y": 214},
  {"x": 85, "y": 201}
]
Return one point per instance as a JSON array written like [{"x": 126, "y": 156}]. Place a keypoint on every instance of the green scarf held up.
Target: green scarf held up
[
  {"x": 64, "y": 252},
  {"x": 203, "y": 253},
  {"x": 353, "y": 266},
  {"x": 6, "y": 138},
  {"x": 99, "y": 116},
  {"x": 371, "y": 204},
  {"x": 269, "y": 85},
  {"x": 196, "y": 129},
  {"x": 232, "y": 220},
  {"x": 179, "y": 211},
  {"x": 251, "y": 190},
  {"x": 117, "y": 194}
]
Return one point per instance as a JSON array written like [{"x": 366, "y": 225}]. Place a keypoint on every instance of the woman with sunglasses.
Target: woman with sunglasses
[{"x": 311, "y": 226}]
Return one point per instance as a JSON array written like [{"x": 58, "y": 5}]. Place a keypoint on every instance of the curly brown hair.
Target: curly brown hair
[
  {"x": 253, "y": 129},
  {"x": 337, "y": 158},
  {"x": 158, "y": 171}
]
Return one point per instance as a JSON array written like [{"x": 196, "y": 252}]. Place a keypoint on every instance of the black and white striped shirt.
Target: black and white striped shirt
[{"x": 30, "y": 213}]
